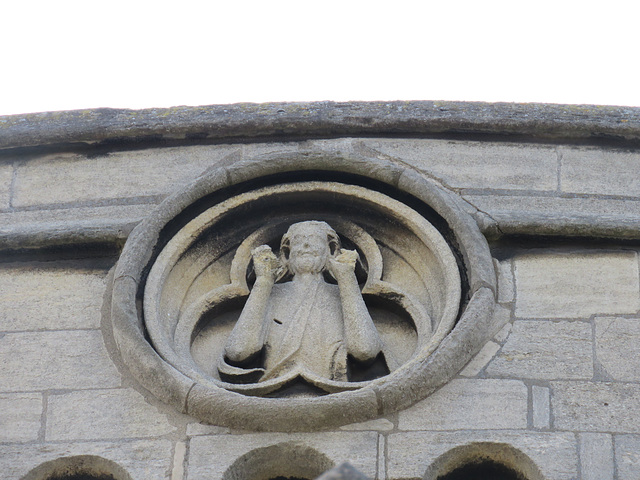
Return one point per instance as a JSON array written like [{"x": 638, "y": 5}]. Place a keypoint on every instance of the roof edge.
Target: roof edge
[{"x": 313, "y": 119}]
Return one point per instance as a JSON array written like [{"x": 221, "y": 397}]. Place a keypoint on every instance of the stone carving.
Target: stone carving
[
  {"x": 300, "y": 305},
  {"x": 307, "y": 325},
  {"x": 303, "y": 327}
]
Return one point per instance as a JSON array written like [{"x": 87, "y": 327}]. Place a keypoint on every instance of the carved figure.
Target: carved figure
[{"x": 304, "y": 327}]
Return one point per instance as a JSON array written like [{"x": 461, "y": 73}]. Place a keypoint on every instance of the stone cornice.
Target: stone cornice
[{"x": 321, "y": 119}]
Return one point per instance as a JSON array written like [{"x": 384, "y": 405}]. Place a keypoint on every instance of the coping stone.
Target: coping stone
[{"x": 299, "y": 119}]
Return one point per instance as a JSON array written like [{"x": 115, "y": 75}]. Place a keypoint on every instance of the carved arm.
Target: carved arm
[{"x": 361, "y": 337}]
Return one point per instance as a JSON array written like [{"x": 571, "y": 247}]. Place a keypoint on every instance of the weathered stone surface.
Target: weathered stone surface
[
  {"x": 470, "y": 404},
  {"x": 546, "y": 350},
  {"x": 255, "y": 149},
  {"x": 541, "y": 407},
  {"x": 596, "y": 456},
  {"x": 140, "y": 173},
  {"x": 211, "y": 456},
  {"x": 576, "y": 284},
  {"x": 599, "y": 171},
  {"x": 179, "y": 457},
  {"x": 6, "y": 176},
  {"x": 409, "y": 454},
  {"x": 103, "y": 414},
  {"x": 627, "y": 448},
  {"x": 62, "y": 359},
  {"x": 478, "y": 362},
  {"x": 596, "y": 407},
  {"x": 321, "y": 119},
  {"x": 204, "y": 429},
  {"x": 504, "y": 333},
  {"x": 343, "y": 472},
  {"x": 142, "y": 459},
  {"x": 618, "y": 347},
  {"x": 506, "y": 286},
  {"x": 49, "y": 298},
  {"x": 545, "y": 215},
  {"x": 477, "y": 164},
  {"x": 20, "y": 416},
  {"x": 379, "y": 424},
  {"x": 69, "y": 226}
]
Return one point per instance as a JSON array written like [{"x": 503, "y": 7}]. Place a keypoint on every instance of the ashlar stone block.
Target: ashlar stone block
[
  {"x": 470, "y": 404},
  {"x": 627, "y": 455},
  {"x": 618, "y": 347},
  {"x": 411, "y": 453},
  {"x": 478, "y": 362},
  {"x": 541, "y": 407},
  {"x": 596, "y": 406},
  {"x": 477, "y": 164},
  {"x": 119, "y": 175},
  {"x": 546, "y": 350},
  {"x": 20, "y": 416},
  {"x": 506, "y": 287},
  {"x": 142, "y": 459},
  {"x": 596, "y": 456},
  {"x": 600, "y": 171},
  {"x": 50, "y": 298},
  {"x": 211, "y": 456},
  {"x": 6, "y": 175},
  {"x": 103, "y": 414},
  {"x": 577, "y": 284},
  {"x": 71, "y": 359}
]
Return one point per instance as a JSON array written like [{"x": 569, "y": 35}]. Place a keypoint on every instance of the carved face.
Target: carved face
[{"x": 309, "y": 249}]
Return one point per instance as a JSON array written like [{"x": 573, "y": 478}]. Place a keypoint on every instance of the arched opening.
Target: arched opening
[
  {"x": 483, "y": 470},
  {"x": 284, "y": 461},
  {"x": 79, "y": 467},
  {"x": 483, "y": 461}
]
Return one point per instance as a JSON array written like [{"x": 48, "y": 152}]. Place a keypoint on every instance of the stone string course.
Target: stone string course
[
  {"x": 513, "y": 188},
  {"x": 554, "y": 386}
]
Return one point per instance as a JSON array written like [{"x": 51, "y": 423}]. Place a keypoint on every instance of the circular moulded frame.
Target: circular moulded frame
[
  {"x": 222, "y": 407},
  {"x": 176, "y": 351}
]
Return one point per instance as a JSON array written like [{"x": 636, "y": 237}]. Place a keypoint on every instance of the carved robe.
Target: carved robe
[{"x": 305, "y": 332}]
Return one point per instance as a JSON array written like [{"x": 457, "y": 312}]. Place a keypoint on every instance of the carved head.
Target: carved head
[{"x": 307, "y": 246}]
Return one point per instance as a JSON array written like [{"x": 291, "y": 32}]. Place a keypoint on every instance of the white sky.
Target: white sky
[{"x": 59, "y": 55}]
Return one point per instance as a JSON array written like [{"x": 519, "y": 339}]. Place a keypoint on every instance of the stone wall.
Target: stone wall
[{"x": 558, "y": 383}]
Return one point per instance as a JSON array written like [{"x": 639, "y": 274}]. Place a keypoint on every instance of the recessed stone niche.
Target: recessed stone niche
[{"x": 270, "y": 299}]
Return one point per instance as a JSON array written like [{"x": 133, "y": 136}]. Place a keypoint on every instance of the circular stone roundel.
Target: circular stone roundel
[{"x": 300, "y": 305}]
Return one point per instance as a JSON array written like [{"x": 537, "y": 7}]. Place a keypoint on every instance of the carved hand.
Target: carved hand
[
  {"x": 343, "y": 266},
  {"x": 265, "y": 262}
]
